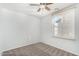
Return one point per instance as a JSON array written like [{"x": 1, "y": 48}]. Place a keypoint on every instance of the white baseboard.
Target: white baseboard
[{"x": 62, "y": 49}]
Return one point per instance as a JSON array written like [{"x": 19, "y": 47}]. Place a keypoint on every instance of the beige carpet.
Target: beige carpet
[{"x": 38, "y": 49}]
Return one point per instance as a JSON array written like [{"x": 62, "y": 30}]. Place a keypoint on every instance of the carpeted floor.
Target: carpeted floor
[{"x": 38, "y": 49}]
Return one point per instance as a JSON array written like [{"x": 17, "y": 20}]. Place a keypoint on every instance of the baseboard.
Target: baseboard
[
  {"x": 62, "y": 49},
  {"x": 18, "y": 47}
]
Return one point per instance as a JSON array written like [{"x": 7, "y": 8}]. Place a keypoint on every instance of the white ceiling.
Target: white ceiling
[{"x": 31, "y": 10}]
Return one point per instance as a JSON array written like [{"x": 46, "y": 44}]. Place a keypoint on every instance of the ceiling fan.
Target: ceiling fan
[{"x": 42, "y": 6}]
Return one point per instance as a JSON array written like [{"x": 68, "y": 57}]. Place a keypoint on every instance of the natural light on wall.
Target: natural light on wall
[{"x": 64, "y": 24}]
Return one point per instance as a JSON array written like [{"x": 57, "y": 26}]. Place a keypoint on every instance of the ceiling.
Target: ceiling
[{"x": 25, "y": 8}]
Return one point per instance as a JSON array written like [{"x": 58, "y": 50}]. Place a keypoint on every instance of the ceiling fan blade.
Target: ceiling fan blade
[
  {"x": 34, "y": 4},
  {"x": 39, "y": 9},
  {"x": 40, "y": 4},
  {"x": 48, "y": 3},
  {"x": 45, "y": 3},
  {"x": 47, "y": 8}
]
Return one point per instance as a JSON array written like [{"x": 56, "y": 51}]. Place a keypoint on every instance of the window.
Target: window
[{"x": 64, "y": 24}]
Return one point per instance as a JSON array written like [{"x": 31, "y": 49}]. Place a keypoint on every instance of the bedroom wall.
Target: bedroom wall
[
  {"x": 17, "y": 29},
  {"x": 65, "y": 44}
]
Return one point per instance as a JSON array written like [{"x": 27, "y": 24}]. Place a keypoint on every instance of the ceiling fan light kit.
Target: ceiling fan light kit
[{"x": 43, "y": 8}]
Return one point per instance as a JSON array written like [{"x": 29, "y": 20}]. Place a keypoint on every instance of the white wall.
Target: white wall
[
  {"x": 65, "y": 44},
  {"x": 17, "y": 29}
]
